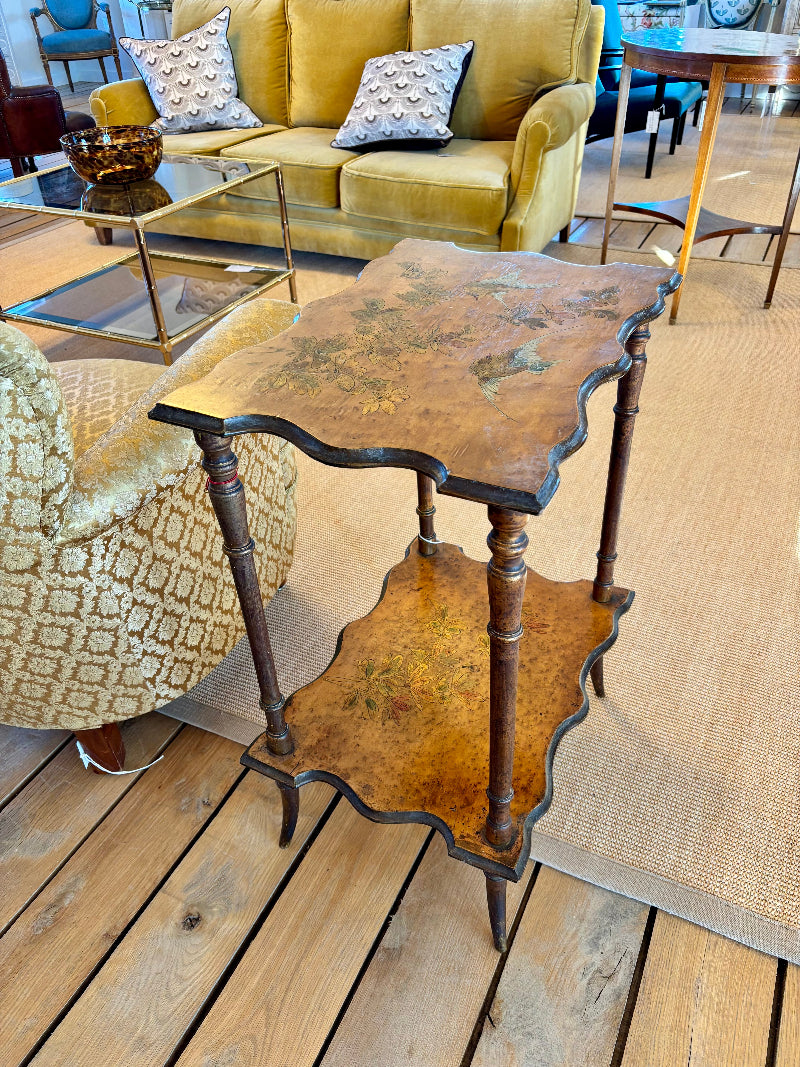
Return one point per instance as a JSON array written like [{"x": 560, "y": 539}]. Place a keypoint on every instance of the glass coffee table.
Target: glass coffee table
[{"x": 147, "y": 298}]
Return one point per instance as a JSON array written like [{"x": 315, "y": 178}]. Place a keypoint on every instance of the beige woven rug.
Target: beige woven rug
[{"x": 682, "y": 788}]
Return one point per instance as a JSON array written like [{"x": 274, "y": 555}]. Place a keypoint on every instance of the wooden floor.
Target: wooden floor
[{"x": 151, "y": 919}]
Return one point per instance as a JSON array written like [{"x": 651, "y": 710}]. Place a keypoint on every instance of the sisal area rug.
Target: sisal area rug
[{"x": 682, "y": 787}]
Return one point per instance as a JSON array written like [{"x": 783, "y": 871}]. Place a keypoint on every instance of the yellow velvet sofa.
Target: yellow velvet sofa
[{"x": 508, "y": 180}]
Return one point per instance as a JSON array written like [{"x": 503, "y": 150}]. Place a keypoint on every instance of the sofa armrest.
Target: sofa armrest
[
  {"x": 125, "y": 103},
  {"x": 137, "y": 459},
  {"x": 548, "y": 124}
]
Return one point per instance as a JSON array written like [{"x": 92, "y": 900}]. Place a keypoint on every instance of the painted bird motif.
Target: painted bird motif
[
  {"x": 500, "y": 286},
  {"x": 492, "y": 370}
]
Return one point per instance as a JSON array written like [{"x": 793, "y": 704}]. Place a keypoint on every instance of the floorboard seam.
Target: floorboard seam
[
  {"x": 633, "y": 991},
  {"x": 83, "y": 986},
  {"x": 79, "y": 844},
  {"x": 373, "y": 949},
  {"x": 32, "y": 774},
  {"x": 777, "y": 1013},
  {"x": 236, "y": 958}
]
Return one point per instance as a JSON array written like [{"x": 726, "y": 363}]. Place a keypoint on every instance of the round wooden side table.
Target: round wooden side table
[{"x": 741, "y": 57}]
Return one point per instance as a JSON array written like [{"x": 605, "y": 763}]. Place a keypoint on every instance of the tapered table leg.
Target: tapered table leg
[
  {"x": 716, "y": 96},
  {"x": 625, "y": 411},
  {"x": 658, "y": 103},
  {"x": 506, "y": 576},
  {"x": 791, "y": 205},
  {"x": 616, "y": 152},
  {"x": 227, "y": 497}
]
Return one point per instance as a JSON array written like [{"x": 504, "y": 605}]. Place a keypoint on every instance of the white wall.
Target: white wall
[{"x": 26, "y": 51}]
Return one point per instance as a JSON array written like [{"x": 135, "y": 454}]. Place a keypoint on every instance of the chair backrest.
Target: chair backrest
[
  {"x": 732, "y": 14},
  {"x": 36, "y": 449},
  {"x": 5, "y": 80},
  {"x": 70, "y": 14}
]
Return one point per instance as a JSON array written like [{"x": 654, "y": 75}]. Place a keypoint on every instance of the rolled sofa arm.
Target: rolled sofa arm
[
  {"x": 545, "y": 167},
  {"x": 137, "y": 459},
  {"x": 125, "y": 103}
]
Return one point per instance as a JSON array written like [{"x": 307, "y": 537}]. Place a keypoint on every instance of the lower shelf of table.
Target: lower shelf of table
[
  {"x": 709, "y": 224},
  {"x": 399, "y": 721}
]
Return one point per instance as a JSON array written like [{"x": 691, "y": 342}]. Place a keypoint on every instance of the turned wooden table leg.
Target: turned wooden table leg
[
  {"x": 105, "y": 745},
  {"x": 426, "y": 542},
  {"x": 227, "y": 497},
  {"x": 506, "y": 576},
  {"x": 625, "y": 411}
]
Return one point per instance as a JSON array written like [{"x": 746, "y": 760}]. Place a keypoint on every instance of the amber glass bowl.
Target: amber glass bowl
[{"x": 114, "y": 155}]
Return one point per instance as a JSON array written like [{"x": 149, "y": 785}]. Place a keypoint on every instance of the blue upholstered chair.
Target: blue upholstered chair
[
  {"x": 648, "y": 92},
  {"x": 75, "y": 35}
]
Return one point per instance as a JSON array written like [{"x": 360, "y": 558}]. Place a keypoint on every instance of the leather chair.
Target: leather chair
[
  {"x": 75, "y": 35},
  {"x": 31, "y": 121},
  {"x": 115, "y": 596},
  {"x": 672, "y": 97}
]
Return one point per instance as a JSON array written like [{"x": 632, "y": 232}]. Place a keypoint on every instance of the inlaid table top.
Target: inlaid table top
[
  {"x": 471, "y": 367},
  {"x": 694, "y": 50}
]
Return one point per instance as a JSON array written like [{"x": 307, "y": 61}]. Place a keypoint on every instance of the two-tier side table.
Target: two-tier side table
[
  {"x": 473, "y": 369},
  {"x": 720, "y": 57}
]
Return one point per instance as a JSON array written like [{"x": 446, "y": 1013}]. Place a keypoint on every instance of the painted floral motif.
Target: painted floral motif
[
  {"x": 363, "y": 360},
  {"x": 388, "y": 689}
]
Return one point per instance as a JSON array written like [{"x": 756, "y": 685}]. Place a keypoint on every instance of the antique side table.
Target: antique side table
[
  {"x": 720, "y": 57},
  {"x": 473, "y": 369}
]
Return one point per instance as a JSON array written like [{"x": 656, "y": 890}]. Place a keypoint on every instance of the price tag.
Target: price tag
[
  {"x": 653, "y": 119},
  {"x": 241, "y": 268},
  {"x": 702, "y": 114}
]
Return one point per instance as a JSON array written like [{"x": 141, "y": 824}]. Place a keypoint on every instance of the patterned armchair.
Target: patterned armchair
[
  {"x": 114, "y": 597},
  {"x": 75, "y": 35}
]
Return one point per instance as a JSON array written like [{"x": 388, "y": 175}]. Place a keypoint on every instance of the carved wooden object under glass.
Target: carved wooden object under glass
[{"x": 445, "y": 704}]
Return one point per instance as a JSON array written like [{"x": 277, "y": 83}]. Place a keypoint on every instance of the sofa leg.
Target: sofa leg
[
  {"x": 105, "y": 745},
  {"x": 563, "y": 235},
  {"x": 104, "y": 235}
]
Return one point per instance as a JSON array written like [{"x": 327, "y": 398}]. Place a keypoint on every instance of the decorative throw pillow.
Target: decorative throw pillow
[
  {"x": 192, "y": 81},
  {"x": 406, "y": 99}
]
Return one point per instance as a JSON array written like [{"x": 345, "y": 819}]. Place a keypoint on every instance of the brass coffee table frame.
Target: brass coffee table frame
[{"x": 137, "y": 224}]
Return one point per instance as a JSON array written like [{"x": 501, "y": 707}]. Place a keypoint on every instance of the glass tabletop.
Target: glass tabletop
[{"x": 178, "y": 182}]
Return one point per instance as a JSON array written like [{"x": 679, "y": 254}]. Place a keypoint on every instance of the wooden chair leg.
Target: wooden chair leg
[
  {"x": 105, "y": 745},
  {"x": 102, "y": 63},
  {"x": 104, "y": 235},
  {"x": 119, "y": 68},
  {"x": 48, "y": 75},
  {"x": 69, "y": 76},
  {"x": 17, "y": 166}
]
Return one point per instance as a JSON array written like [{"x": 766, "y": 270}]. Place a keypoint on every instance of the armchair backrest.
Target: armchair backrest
[
  {"x": 36, "y": 450},
  {"x": 70, "y": 14},
  {"x": 5, "y": 80}
]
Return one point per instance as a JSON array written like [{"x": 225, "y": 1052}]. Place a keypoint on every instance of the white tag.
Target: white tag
[
  {"x": 86, "y": 759},
  {"x": 241, "y": 268},
  {"x": 653, "y": 119},
  {"x": 702, "y": 114}
]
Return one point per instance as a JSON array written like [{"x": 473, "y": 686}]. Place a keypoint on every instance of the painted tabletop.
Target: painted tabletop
[{"x": 471, "y": 367}]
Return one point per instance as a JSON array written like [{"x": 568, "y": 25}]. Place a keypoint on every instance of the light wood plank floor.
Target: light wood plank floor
[{"x": 151, "y": 920}]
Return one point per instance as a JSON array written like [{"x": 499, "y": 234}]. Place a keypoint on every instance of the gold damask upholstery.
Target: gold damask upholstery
[{"x": 114, "y": 593}]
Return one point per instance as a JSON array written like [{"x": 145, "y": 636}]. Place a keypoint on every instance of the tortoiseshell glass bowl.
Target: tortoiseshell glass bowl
[{"x": 114, "y": 155}]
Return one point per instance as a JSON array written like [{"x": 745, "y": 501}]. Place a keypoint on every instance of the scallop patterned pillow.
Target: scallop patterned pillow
[
  {"x": 192, "y": 81},
  {"x": 406, "y": 99}
]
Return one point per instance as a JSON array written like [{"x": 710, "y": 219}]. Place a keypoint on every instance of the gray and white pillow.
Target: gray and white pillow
[
  {"x": 192, "y": 80},
  {"x": 406, "y": 99}
]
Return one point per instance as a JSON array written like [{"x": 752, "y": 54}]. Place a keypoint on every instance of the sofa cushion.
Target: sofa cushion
[
  {"x": 257, "y": 36},
  {"x": 329, "y": 43},
  {"x": 406, "y": 99},
  {"x": 211, "y": 142},
  {"x": 463, "y": 186},
  {"x": 310, "y": 166},
  {"x": 521, "y": 49}
]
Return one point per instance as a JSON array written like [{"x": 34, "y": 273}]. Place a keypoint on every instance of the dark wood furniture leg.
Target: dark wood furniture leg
[
  {"x": 658, "y": 103},
  {"x": 105, "y": 745},
  {"x": 426, "y": 542},
  {"x": 104, "y": 235},
  {"x": 227, "y": 497},
  {"x": 563, "y": 234},
  {"x": 625, "y": 411},
  {"x": 791, "y": 205},
  {"x": 506, "y": 576}
]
